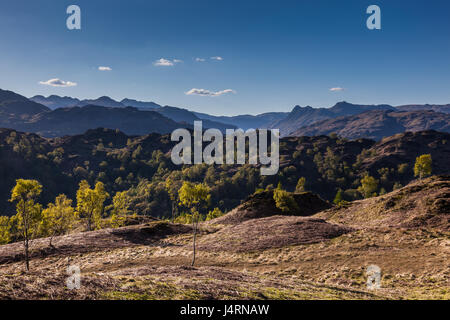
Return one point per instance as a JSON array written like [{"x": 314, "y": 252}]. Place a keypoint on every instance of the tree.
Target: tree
[
  {"x": 171, "y": 188},
  {"x": 397, "y": 185},
  {"x": 369, "y": 186},
  {"x": 216, "y": 213},
  {"x": 422, "y": 167},
  {"x": 58, "y": 218},
  {"x": 284, "y": 200},
  {"x": 195, "y": 197},
  {"x": 28, "y": 212},
  {"x": 339, "y": 198},
  {"x": 5, "y": 235},
  {"x": 301, "y": 185},
  {"x": 120, "y": 209},
  {"x": 402, "y": 168},
  {"x": 90, "y": 203}
]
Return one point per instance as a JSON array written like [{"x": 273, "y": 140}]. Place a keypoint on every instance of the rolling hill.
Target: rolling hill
[
  {"x": 322, "y": 256},
  {"x": 14, "y": 106},
  {"x": 76, "y": 120}
]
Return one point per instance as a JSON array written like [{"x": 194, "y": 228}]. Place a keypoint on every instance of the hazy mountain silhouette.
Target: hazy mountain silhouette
[
  {"x": 444, "y": 108},
  {"x": 186, "y": 116},
  {"x": 140, "y": 104},
  {"x": 260, "y": 121},
  {"x": 55, "y": 101},
  {"x": 346, "y": 119}
]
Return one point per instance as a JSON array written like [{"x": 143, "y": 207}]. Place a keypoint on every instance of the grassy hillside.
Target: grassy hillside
[{"x": 323, "y": 256}]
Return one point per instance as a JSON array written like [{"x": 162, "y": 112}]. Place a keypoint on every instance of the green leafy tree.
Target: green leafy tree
[
  {"x": 284, "y": 200},
  {"x": 5, "y": 233},
  {"x": 369, "y": 186},
  {"x": 90, "y": 203},
  {"x": 422, "y": 167},
  {"x": 216, "y": 213},
  {"x": 184, "y": 218},
  {"x": 301, "y": 185},
  {"x": 195, "y": 197},
  {"x": 58, "y": 218},
  {"x": 120, "y": 209},
  {"x": 28, "y": 212},
  {"x": 339, "y": 198},
  {"x": 172, "y": 190}
]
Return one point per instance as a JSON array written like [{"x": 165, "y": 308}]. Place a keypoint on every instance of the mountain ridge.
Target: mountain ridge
[
  {"x": 303, "y": 116},
  {"x": 377, "y": 124}
]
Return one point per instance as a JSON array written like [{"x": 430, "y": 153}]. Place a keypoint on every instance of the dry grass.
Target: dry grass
[{"x": 325, "y": 256}]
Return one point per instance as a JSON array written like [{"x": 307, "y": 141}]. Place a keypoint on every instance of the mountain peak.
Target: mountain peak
[{"x": 106, "y": 98}]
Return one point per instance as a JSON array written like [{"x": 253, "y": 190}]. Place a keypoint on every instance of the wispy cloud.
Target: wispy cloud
[
  {"x": 166, "y": 62},
  {"x": 102, "y": 68},
  {"x": 208, "y": 93},
  {"x": 217, "y": 58},
  {"x": 200, "y": 59},
  {"x": 336, "y": 89},
  {"x": 58, "y": 83}
]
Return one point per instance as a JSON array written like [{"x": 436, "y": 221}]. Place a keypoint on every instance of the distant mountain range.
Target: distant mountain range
[
  {"x": 377, "y": 124},
  {"x": 355, "y": 121},
  {"x": 246, "y": 121},
  {"x": 54, "y": 102},
  {"x": 304, "y": 116},
  {"x": 54, "y": 116},
  {"x": 20, "y": 113},
  {"x": 177, "y": 114},
  {"x": 444, "y": 108}
]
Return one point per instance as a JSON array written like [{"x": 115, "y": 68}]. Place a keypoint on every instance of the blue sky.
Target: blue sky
[{"x": 275, "y": 54}]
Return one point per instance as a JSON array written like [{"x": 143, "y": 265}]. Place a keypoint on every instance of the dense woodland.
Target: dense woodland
[{"x": 141, "y": 170}]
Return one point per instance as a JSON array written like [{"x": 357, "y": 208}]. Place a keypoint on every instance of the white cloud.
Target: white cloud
[
  {"x": 217, "y": 58},
  {"x": 101, "y": 68},
  {"x": 58, "y": 83},
  {"x": 207, "y": 93},
  {"x": 199, "y": 59},
  {"x": 336, "y": 89},
  {"x": 166, "y": 63}
]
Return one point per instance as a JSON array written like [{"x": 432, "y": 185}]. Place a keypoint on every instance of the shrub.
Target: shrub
[{"x": 284, "y": 200}]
